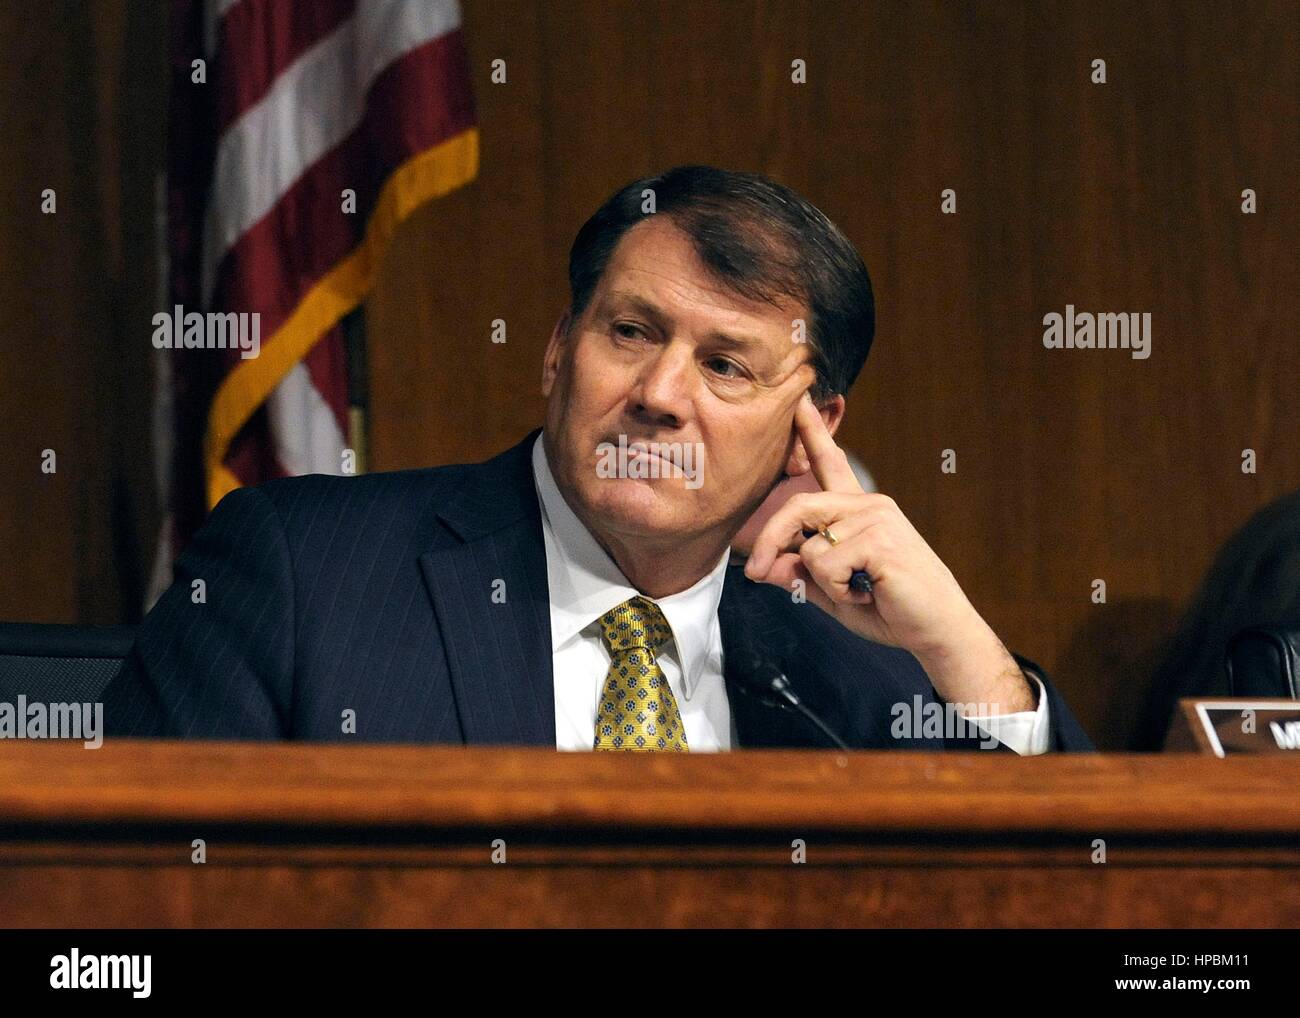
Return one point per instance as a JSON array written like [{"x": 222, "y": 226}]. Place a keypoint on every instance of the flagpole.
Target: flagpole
[{"x": 354, "y": 343}]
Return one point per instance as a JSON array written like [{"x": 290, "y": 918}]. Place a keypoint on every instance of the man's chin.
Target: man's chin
[{"x": 646, "y": 507}]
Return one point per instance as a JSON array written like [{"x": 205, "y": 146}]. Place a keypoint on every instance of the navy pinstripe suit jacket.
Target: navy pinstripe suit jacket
[{"x": 373, "y": 594}]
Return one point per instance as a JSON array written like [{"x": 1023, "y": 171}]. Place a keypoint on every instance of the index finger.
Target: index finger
[{"x": 829, "y": 463}]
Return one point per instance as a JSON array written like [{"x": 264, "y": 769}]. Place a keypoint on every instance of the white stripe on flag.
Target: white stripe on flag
[
  {"x": 303, "y": 427},
  {"x": 316, "y": 103}
]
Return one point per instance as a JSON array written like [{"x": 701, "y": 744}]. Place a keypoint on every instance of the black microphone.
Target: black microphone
[{"x": 760, "y": 677}]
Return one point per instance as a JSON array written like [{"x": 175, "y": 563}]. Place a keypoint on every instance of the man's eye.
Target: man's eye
[
  {"x": 724, "y": 367},
  {"x": 627, "y": 330}
]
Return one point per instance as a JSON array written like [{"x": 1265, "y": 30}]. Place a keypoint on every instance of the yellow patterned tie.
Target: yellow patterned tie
[{"x": 638, "y": 712}]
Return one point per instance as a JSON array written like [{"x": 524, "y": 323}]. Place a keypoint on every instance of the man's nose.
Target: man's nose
[{"x": 664, "y": 384}]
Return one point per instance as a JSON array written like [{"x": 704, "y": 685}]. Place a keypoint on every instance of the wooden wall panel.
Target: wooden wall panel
[
  {"x": 81, "y": 108},
  {"x": 1072, "y": 465}
]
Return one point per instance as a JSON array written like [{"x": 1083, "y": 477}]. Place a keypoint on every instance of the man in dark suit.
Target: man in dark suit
[{"x": 576, "y": 591}]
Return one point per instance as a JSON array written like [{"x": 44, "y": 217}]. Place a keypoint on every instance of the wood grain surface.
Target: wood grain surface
[{"x": 301, "y": 835}]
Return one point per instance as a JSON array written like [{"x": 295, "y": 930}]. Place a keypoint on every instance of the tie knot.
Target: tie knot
[{"x": 636, "y": 623}]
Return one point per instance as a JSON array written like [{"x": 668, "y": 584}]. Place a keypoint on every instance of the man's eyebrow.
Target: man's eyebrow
[
  {"x": 737, "y": 342},
  {"x": 649, "y": 310},
  {"x": 637, "y": 303}
]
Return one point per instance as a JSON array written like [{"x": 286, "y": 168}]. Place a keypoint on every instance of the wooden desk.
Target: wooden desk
[{"x": 303, "y": 835}]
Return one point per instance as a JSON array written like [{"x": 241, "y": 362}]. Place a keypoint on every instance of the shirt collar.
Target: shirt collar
[{"x": 585, "y": 583}]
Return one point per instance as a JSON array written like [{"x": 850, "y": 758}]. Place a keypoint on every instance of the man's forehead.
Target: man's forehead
[{"x": 655, "y": 265}]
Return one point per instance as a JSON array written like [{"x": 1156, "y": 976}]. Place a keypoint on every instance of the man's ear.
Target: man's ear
[
  {"x": 554, "y": 353},
  {"x": 832, "y": 412}
]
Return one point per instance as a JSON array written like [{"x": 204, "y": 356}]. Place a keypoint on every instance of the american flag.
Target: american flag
[{"x": 301, "y": 132}]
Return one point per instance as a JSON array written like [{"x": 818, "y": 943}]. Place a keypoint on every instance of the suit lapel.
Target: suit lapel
[{"x": 486, "y": 577}]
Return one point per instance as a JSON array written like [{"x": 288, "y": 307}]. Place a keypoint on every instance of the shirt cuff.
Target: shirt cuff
[{"x": 1027, "y": 732}]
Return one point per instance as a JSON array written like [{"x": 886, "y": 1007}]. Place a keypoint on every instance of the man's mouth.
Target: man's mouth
[
  {"x": 644, "y": 459},
  {"x": 634, "y": 446}
]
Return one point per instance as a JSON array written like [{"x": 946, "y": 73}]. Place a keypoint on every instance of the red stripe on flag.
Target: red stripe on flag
[
  {"x": 251, "y": 456},
  {"x": 259, "y": 39},
  {"x": 327, "y": 364}
]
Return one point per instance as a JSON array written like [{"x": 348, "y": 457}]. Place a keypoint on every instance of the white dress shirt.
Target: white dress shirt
[{"x": 585, "y": 584}]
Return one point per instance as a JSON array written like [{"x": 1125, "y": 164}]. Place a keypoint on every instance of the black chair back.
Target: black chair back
[
  {"x": 1264, "y": 661},
  {"x": 60, "y": 664}
]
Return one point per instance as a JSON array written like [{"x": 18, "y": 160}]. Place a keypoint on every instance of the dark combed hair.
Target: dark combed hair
[{"x": 762, "y": 241}]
